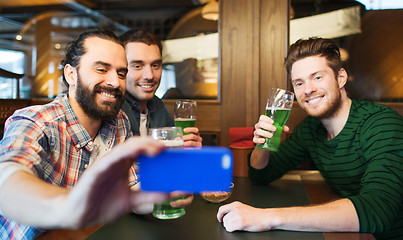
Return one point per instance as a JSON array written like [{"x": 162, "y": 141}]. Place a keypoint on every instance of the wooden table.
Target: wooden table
[{"x": 297, "y": 188}]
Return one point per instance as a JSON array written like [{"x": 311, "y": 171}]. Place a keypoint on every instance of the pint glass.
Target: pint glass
[
  {"x": 185, "y": 113},
  {"x": 171, "y": 137},
  {"x": 278, "y": 108}
]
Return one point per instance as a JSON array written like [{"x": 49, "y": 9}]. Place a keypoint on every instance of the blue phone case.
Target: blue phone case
[{"x": 189, "y": 170}]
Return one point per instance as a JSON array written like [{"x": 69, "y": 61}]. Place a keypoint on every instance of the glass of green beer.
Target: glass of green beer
[
  {"x": 278, "y": 108},
  {"x": 171, "y": 137},
  {"x": 185, "y": 113}
]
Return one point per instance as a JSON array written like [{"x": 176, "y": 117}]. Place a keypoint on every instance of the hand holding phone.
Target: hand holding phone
[{"x": 189, "y": 170}]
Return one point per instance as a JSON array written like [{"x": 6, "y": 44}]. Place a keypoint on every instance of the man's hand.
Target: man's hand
[
  {"x": 102, "y": 194},
  {"x": 148, "y": 208},
  {"x": 181, "y": 202},
  {"x": 237, "y": 216},
  {"x": 336, "y": 216},
  {"x": 193, "y": 139},
  {"x": 264, "y": 128}
]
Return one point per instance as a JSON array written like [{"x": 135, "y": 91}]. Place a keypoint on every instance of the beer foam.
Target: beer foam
[
  {"x": 185, "y": 119},
  {"x": 173, "y": 143},
  {"x": 275, "y": 108}
]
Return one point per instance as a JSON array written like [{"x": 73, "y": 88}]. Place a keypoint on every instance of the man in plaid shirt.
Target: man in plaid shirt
[{"x": 57, "y": 165}]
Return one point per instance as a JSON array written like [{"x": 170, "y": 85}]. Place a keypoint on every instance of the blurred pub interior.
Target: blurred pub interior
[{"x": 233, "y": 54}]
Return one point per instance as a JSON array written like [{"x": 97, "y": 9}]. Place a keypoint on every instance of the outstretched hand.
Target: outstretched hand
[{"x": 102, "y": 194}]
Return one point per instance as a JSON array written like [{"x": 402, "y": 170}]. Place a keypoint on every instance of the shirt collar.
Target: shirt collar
[
  {"x": 134, "y": 104},
  {"x": 79, "y": 134}
]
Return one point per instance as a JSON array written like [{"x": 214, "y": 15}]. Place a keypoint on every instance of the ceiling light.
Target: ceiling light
[{"x": 210, "y": 11}]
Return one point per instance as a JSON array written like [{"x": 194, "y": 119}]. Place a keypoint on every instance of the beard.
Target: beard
[
  {"x": 329, "y": 110},
  {"x": 86, "y": 98}
]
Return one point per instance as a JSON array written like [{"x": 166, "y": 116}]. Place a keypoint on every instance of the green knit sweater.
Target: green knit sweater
[{"x": 363, "y": 163}]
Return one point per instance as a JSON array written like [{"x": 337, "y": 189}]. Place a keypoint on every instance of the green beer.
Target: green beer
[
  {"x": 184, "y": 123},
  {"x": 163, "y": 210},
  {"x": 279, "y": 117},
  {"x": 185, "y": 113}
]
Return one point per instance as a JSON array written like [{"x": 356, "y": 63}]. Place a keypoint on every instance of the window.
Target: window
[
  {"x": 381, "y": 4},
  {"x": 12, "y": 61}
]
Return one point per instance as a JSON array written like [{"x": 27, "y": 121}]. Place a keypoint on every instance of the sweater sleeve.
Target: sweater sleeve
[
  {"x": 291, "y": 153},
  {"x": 379, "y": 202}
]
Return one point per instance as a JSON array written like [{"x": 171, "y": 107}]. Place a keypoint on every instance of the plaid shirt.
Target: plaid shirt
[{"x": 49, "y": 140}]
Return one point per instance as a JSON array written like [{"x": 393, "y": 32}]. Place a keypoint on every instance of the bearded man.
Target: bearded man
[
  {"x": 356, "y": 145},
  {"x": 57, "y": 165}
]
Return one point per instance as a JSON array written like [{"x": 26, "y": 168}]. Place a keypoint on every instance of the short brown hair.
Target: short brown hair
[
  {"x": 143, "y": 36},
  {"x": 314, "y": 47}
]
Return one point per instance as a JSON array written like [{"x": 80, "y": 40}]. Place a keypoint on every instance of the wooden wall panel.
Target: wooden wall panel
[
  {"x": 273, "y": 48},
  {"x": 254, "y": 41},
  {"x": 239, "y": 32},
  {"x": 253, "y": 72}
]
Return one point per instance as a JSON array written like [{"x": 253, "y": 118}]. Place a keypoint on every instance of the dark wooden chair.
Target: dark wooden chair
[
  {"x": 8, "y": 107},
  {"x": 8, "y": 74}
]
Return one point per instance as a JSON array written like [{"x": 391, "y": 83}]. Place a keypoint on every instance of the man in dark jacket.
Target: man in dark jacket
[{"x": 144, "y": 109}]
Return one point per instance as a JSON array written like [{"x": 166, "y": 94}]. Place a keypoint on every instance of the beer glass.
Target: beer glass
[
  {"x": 278, "y": 108},
  {"x": 185, "y": 113},
  {"x": 171, "y": 137}
]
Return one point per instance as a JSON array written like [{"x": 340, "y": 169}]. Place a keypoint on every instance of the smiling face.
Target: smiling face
[
  {"x": 317, "y": 89},
  {"x": 98, "y": 83},
  {"x": 105, "y": 110},
  {"x": 145, "y": 70}
]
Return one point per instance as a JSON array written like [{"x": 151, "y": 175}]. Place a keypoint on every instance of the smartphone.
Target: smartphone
[{"x": 191, "y": 170}]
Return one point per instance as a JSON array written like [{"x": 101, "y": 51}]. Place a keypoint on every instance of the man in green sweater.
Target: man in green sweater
[{"x": 356, "y": 145}]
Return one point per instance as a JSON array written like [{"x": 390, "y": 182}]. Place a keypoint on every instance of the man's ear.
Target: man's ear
[
  {"x": 70, "y": 73},
  {"x": 342, "y": 77}
]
